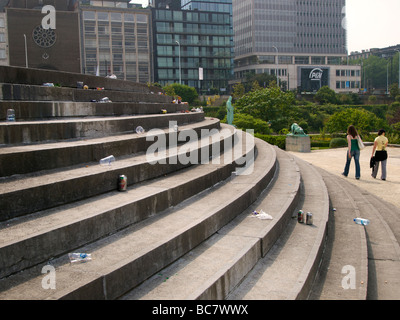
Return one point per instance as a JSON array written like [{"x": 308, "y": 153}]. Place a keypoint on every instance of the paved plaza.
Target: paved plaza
[{"x": 333, "y": 161}]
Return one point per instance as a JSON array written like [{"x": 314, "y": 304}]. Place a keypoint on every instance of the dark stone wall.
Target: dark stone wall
[{"x": 62, "y": 54}]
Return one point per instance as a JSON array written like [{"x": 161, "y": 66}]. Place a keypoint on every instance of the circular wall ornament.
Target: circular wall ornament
[{"x": 44, "y": 38}]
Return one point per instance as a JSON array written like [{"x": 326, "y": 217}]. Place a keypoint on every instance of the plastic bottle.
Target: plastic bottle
[
  {"x": 139, "y": 130},
  {"x": 79, "y": 257},
  {"x": 361, "y": 221},
  {"x": 107, "y": 160},
  {"x": 10, "y": 115}
]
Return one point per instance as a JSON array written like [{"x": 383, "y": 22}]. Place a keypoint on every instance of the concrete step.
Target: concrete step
[
  {"x": 27, "y": 132},
  {"x": 21, "y": 75},
  {"x": 40, "y": 110},
  {"x": 216, "y": 266},
  {"x": 29, "y": 92},
  {"x": 27, "y": 241},
  {"x": 36, "y": 157},
  {"x": 23, "y": 195},
  {"x": 289, "y": 267},
  {"x": 361, "y": 262},
  {"x": 123, "y": 260},
  {"x": 346, "y": 248}
]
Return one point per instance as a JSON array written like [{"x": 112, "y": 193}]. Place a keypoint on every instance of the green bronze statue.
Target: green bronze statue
[
  {"x": 229, "y": 111},
  {"x": 296, "y": 130}
]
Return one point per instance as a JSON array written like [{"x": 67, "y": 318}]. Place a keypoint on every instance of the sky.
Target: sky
[{"x": 370, "y": 23}]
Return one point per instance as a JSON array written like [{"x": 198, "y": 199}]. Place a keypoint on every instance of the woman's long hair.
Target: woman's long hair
[{"x": 351, "y": 130}]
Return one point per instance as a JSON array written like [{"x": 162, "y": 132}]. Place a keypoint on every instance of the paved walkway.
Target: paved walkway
[{"x": 333, "y": 161}]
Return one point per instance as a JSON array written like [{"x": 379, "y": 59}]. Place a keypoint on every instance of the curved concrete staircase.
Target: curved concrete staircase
[{"x": 185, "y": 227}]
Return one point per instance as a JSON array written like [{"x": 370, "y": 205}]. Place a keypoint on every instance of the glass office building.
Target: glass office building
[
  {"x": 208, "y": 5},
  {"x": 289, "y": 39},
  {"x": 194, "y": 48}
]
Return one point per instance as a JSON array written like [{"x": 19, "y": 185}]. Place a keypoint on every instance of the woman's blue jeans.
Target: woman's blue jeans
[{"x": 356, "y": 155}]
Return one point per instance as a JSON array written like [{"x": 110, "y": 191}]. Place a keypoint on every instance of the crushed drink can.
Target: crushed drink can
[
  {"x": 122, "y": 182},
  {"x": 300, "y": 216},
  {"x": 309, "y": 218}
]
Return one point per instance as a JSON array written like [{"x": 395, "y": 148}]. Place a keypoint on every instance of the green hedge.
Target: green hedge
[
  {"x": 279, "y": 141},
  {"x": 338, "y": 143}
]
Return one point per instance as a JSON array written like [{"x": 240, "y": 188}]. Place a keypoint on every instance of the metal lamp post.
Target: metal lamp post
[
  {"x": 180, "y": 77},
  {"x": 26, "y": 52},
  {"x": 276, "y": 68}
]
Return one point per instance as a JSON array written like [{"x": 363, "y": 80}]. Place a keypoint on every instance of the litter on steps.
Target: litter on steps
[
  {"x": 79, "y": 257},
  {"x": 261, "y": 215}
]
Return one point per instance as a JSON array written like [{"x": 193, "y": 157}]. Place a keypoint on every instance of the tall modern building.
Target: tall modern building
[
  {"x": 208, "y": 5},
  {"x": 192, "y": 47},
  {"x": 301, "y": 42}
]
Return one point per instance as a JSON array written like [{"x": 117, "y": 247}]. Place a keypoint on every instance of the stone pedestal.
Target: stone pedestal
[{"x": 299, "y": 143}]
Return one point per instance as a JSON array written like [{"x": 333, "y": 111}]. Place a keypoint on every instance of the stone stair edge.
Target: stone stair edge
[
  {"x": 201, "y": 230},
  {"x": 47, "y": 131},
  {"x": 29, "y": 92},
  {"x": 37, "y": 110},
  {"x": 261, "y": 282},
  {"x": 18, "y": 196},
  {"x": 32, "y": 157},
  {"x": 342, "y": 200},
  {"x": 14, "y": 74},
  {"x": 222, "y": 283}
]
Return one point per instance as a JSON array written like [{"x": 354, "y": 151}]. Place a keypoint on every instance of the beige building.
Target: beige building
[{"x": 116, "y": 39}]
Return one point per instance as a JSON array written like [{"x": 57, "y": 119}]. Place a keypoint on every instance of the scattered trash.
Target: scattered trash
[
  {"x": 112, "y": 76},
  {"x": 139, "y": 130},
  {"x": 99, "y": 89},
  {"x": 79, "y": 257},
  {"x": 361, "y": 221},
  {"x": 48, "y": 84},
  {"x": 10, "y": 115},
  {"x": 261, "y": 215},
  {"x": 334, "y": 209},
  {"x": 122, "y": 182},
  {"x": 309, "y": 218},
  {"x": 163, "y": 111},
  {"x": 300, "y": 216},
  {"x": 79, "y": 84},
  {"x": 107, "y": 160},
  {"x": 105, "y": 99},
  {"x": 85, "y": 87}
]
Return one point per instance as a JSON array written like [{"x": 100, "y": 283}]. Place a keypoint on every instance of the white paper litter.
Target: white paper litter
[{"x": 261, "y": 215}]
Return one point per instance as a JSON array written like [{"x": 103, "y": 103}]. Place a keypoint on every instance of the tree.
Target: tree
[
  {"x": 376, "y": 69},
  {"x": 238, "y": 91},
  {"x": 188, "y": 94},
  {"x": 326, "y": 95},
  {"x": 394, "y": 90},
  {"x": 264, "y": 80},
  {"x": 362, "y": 119},
  {"x": 269, "y": 104}
]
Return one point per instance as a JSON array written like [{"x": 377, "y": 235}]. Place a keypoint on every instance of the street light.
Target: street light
[
  {"x": 276, "y": 68},
  {"x": 26, "y": 52},
  {"x": 180, "y": 78}
]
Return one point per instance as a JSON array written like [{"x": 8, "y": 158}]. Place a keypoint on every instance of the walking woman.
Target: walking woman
[
  {"x": 379, "y": 149},
  {"x": 353, "y": 151}
]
